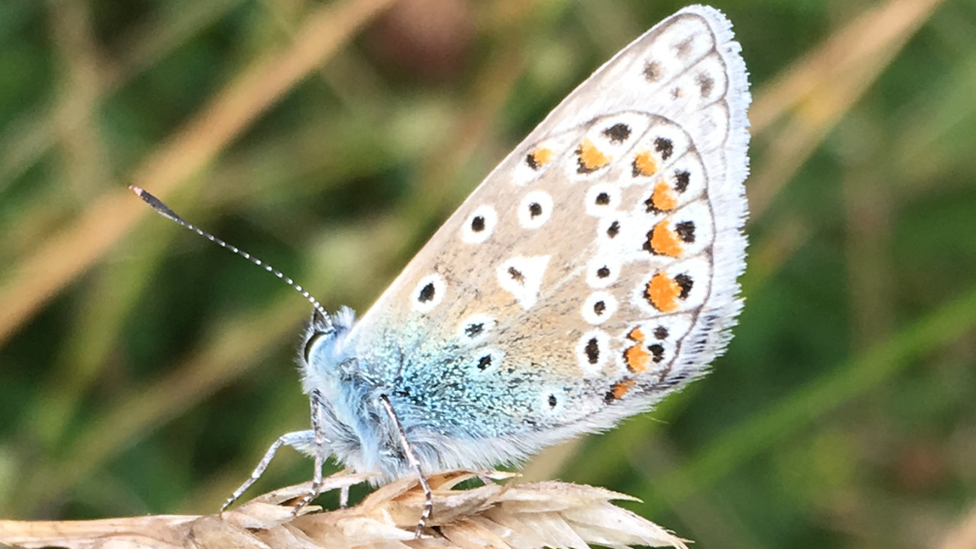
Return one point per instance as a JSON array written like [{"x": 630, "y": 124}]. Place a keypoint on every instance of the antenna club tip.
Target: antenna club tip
[{"x": 163, "y": 210}]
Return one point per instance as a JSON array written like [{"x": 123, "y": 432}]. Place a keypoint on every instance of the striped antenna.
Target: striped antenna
[{"x": 163, "y": 210}]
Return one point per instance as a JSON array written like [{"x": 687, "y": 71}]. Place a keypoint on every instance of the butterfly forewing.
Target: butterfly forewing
[{"x": 593, "y": 271}]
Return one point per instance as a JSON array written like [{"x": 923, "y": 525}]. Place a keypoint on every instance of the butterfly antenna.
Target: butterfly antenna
[{"x": 163, "y": 210}]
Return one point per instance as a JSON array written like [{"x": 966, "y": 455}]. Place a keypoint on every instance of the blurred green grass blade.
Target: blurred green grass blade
[{"x": 794, "y": 413}]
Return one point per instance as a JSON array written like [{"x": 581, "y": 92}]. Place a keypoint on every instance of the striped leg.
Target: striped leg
[
  {"x": 414, "y": 464},
  {"x": 296, "y": 439},
  {"x": 319, "y": 441}
]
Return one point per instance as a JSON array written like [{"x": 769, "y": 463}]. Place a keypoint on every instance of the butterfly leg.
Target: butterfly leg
[
  {"x": 319, "y": 441},
  {"x": 414, "y": 464},
  {"x": 297, "y": 439}
]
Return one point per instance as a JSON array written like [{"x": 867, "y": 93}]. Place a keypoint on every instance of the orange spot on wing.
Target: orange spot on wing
[
  {"x": 636, "y": 358},
  {"x": 590, "y": 157},
  {"x": 662, "y": 292},
  {"x": 636, "y": 334},
  {"x": 542, "y": 156},
  {"x": 664, "y": 199},
  {"x": 664, "y": 241},
  {"x": 644, "y": 164},
  {"x": 621, "y": 388}
]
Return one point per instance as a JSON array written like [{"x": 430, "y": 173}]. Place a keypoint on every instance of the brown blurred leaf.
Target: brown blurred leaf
[
  {"x": 822, "y": 88},
  {"x": 212, "y": 129}
]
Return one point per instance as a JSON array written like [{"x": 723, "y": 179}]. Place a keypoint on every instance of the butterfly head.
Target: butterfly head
[{"x": 324, "y": 348}]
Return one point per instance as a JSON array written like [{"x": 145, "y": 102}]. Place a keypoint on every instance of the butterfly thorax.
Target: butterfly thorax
[{"x": 357, "y": 432}]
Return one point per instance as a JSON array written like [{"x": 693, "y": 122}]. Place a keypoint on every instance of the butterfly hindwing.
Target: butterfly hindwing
[{"x": 592, "y": 272}]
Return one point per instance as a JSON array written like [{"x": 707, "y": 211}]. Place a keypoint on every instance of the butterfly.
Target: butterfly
[{"x": 592, "y": 273}]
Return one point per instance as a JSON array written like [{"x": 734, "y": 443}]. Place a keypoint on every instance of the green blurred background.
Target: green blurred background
[{"x": 143, "y": 370}]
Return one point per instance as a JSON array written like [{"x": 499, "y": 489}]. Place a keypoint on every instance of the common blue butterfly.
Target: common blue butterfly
[{"x": 593, "y": 272}]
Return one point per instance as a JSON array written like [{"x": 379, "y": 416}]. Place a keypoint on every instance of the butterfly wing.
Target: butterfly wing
[{"x": 591, "y": 273}]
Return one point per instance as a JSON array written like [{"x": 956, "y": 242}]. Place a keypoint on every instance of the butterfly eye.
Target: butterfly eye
[{"x": 312, "y": 343}]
